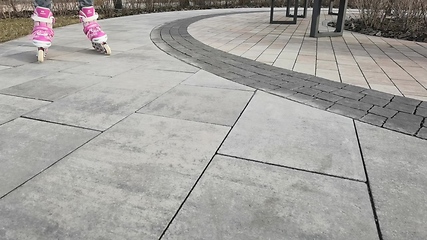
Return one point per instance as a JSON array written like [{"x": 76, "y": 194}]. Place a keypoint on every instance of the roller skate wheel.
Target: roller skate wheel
[
  {"x": 40, "y": 55},
  {"x": 98, "y": 47},
  {"x": 107, "y": 49}
]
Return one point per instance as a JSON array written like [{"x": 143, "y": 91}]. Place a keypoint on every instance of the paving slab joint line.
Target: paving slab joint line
[
  {"x": 43, "y": 170},
  {"x": 398, "y": 64},
  {"x": 422, "y": 124},
  {"x": 32, "y": 98},
  {"x": 371, "y": 196},
  {"x": 343, "y": 90},
  {"x": 205, "y": 169},
  {"x": 293, "y": 168},
  {"x": 189, "y": 193},
  {"x": 62, "y": 124},
  {"x": 7, "y": 121}
]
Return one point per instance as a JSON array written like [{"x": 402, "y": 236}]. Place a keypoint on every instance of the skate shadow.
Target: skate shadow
[
  {"x": 61, "y": 50},
  {"x": 22, "y": 52},
  {"x": 17, "y": 52},
  {"x": 24, "y": 57},
  {"x": 30, "y": 56}
]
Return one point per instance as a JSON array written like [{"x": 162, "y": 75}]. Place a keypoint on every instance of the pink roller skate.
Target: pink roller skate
[
  {"x": 42, "y": 31},
  {"x": 93, "y": 31}
]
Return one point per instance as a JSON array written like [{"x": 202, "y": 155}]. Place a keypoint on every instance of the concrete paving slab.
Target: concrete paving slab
[
  {"x": 25, "y": 56},
  {"x": 210, "y": 105},
  {"x": 14, "y": 46},
  {"x": 396, "y": 166},
  {"x": 237, "y": 199},
  {"x": 76, "y": 40},
  {"x": 148, "y": 49},
  {"x": 76, "y": 53},
  {"x": 110, "y": 66},
  {"x": 17, "y": 53},
  {"x": 118, "y": 41},
  {"x": 31, "y": 71},
  {"x": 279, "y": 131},
  {"x": 28, "y": 147},
  {"x": 125, "y": 184},
  {"x": 207, "y": 79},
  {"x": 54, "y": 86},
  {"x": 97, "y": 107},
  {"x": 142, "y": 77},
  {"x": 154, "y": 59},
  {"x": 170, "y": 64},
  {"x": 12, "y": 107},
  {"x": 4, "y": 67}
]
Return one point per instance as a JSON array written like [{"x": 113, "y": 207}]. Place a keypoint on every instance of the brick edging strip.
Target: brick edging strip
[{"x": 381, "y": 109}]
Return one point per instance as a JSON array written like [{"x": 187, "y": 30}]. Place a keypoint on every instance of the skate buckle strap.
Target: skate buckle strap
[
  {"x": 93, "y": 31},
  {"x": 36, "y": 18},
  {"x": 43, "y": 31},
  {"x": 89, "y": 19}
]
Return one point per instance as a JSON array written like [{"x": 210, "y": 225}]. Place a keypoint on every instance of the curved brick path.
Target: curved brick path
[
  {"x": 389, "y": 65},
  {"x": 385, "y": 110}
]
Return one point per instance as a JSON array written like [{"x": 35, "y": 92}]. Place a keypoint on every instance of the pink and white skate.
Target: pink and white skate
[
  {"x": 42, "y": 31},
  {"x": 93, "y": 31}
]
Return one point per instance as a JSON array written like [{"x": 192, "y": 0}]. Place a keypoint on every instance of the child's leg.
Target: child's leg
[
  {"x": 43, "y": 3},
  {"x": 84, "y": 3}
]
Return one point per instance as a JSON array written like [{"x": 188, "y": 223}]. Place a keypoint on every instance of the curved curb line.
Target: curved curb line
[{"x": 381, "y": 109}]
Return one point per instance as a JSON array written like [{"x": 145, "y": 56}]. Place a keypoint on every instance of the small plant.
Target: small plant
[{"x": 405, "y": 19}]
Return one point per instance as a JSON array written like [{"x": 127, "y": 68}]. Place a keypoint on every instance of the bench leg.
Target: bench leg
[
  {"x": 271, "y": 11},
  {"x": 304, "y": 15},
  {"x": 341, "y": 16},
  {"x": 315, "y": 18}
]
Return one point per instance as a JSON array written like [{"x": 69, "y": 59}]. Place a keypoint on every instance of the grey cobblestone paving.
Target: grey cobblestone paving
[{"x": 381, "y": 109}]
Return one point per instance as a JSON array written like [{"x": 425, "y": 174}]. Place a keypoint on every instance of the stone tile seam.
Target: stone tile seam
[
  {"x": 371, "y": 195},
  {"x": 25, "y": 97},
  {"x": 8, "y": 121},
  {"x": 387, "y": 54},
  {"x": 59, "y": 123},
  {"x": 182, "y": 119},
  {"x": 376, "y": 62},
  {"x": 320, "y": 81},
  {"x": 51, "y": 165},
  {"x": 293, "y": 168},
  {"x": 206, "y": 167}
]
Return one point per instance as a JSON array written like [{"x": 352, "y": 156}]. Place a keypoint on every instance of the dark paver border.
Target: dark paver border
[{"x": 381, "y": 109}]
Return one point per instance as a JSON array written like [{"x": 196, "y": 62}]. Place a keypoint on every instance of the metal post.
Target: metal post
[
  {"x": 295, "y": 17},
  {"x": 314, "y": 32},
  {"x": 295, "y": 11},
  {"x": 304, "y": 15},
  {"x": 305, "y": 6},
  {"x": 341, "y": 16},
  {"x": 331, "y": 7},
  {"x": 288, "y": 4},
  {"x": 271, "y": 11},
  {"x": 315, "y": 18}
]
